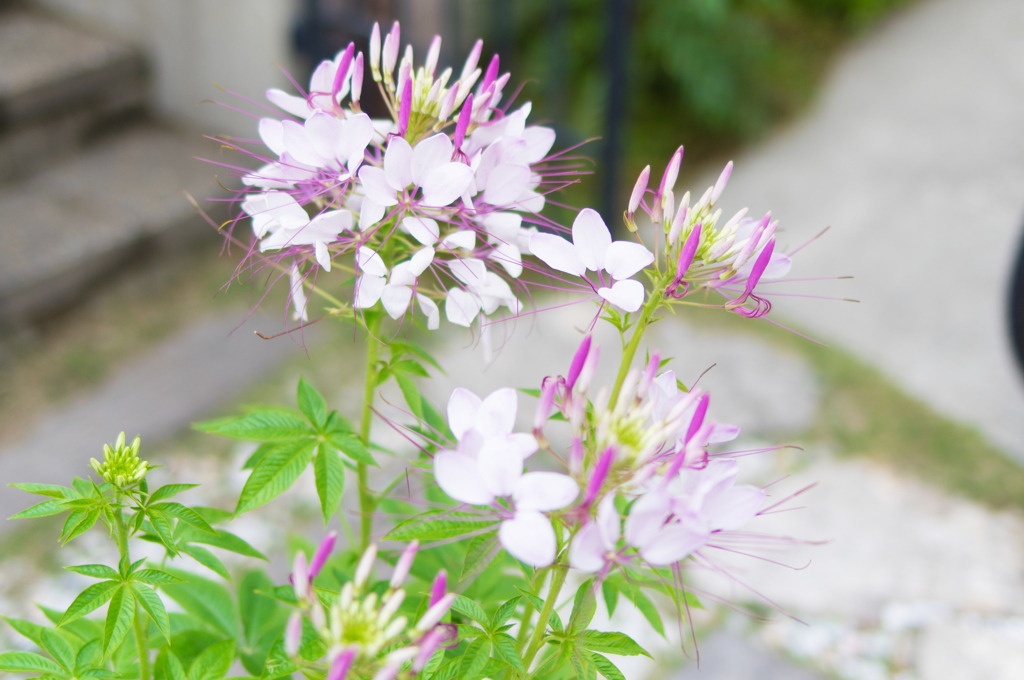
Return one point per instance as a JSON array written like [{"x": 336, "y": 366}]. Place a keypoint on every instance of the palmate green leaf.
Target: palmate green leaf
[
  {"x": 583, "y": 608},
  {"x": 312, "y": 404},
  {"x": 154, "y": 606},
  {"x": 95, "y": 571},
  {"x": 416, "y": 350},
  {"x": 284, "y": 594},
  {"x": 409, "y": 367},
  {"x": 259, "y": 454},
  {"x": 467, "y": 607},
  {"x": 54, "y": 506},
  {"x": 436, "y": 529},
  {"x": 184, "y": 514},
  {"x": 163, "y": 527},
  {"x": 581, "y": 662},
  {"x": 646, "y": 607},
  {"x": 613, "y": 643},
  {"x": 88, "y": 600},
  {"x": 330, "y": 481},
  {"x": 351, "y": 446},
  {"x": 27, "y": 662},
  {"x": 611, "y": 596},
  {"x": 207, "y": 559},
  {"x": 258, "y": 612},
  {"x": 59, "y": 648},
  {"x": 32, "y": 631},
  {"x": 275, "y": 474},
  {"x": 88, "y": 655},
  {"x": 120, "y": 615},
  {"x": 336, "y": 423},
  {"x": 474, "y": 660},
  {"x": 206, "y": 600},
  {"x": 155, "y": 577},
  {"x": 506, "y": 649},
  {"x": 173, "y": 670},
  {"x": 214, "y": 662},
  {"x": 78, "y": 522},
  {"x": 555, "y": 621},
  {"x": 169, "y": 491},
  {"x": 225, "y": 541},
  {"x": 51, "y": 490},
  {"x": 262, "y": 426},
  {"x": 481, "y": 551},
  {"x": 504, "y": 613}
]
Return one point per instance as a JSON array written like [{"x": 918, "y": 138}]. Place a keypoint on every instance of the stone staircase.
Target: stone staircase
[{"x": 89, "y": 183}]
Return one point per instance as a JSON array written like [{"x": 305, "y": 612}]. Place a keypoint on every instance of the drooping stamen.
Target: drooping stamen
[
  {"x": 577, "y": 364},
  {"x": 755, "y": 274},
  {"x": 405, "y": 107}
]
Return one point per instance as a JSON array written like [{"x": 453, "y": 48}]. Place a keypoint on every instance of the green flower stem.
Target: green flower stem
[
  {"x": 558, "y": 574},
  {"x": 653, "y": 302},
  {"x": 524, "y": 627},
  {"x": 367, "y": 502},
  {"x": 142, "y": 641}
]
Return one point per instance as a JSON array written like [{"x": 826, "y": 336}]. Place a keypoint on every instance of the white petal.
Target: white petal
[
  {"x": 734, "y": 507},
  {"x": 296, "y": 106},
  {"x": 370, "y": 262},
  {"x": 323, "y": 131},
  {"x": 368, "y": 290},
  {"x": 421, "y": 260},
  {"x": 646, "y": 517},
  {"x": 430, "y": 154},
  {"x": 357, "y": 134},
  {"x": 673, "y": 543},
  {"x": 544, "y": 491},
  {"x": 429, "y": 308},
  {"x": 507, "y": 255},
  {"x": 557, "y": 253},
  {"x": 423, "y": 229},
  {"x": 586, "y": 553},
  {"x": 723, "y": 432},
  {"x": 328, "y": 225},
  {"x": 298, "y": 294},
  {"x": 627, "y": 295},
  {"x": 458, "y": 477},
  {"x": 298, "y": 145},
  {"x": 539, "y": 141},
  {"x": 526, "y": 444},
  {"x": 397, "y": 162},
  {"x": 500, "y": 465},
  {"x": 505, "y": 183},
  {"x": 461, "y": 239},
  {"x": 322, "y": 79},
  {"x": 272, "y": 134},
  {"x": 445, "y": 184},
  {"x": 778, "y": 266},
  {"x": 463, "y": 406},
  {"x": 608, "y": 521},
  {"x": 401, "y": 275},
  {"x": 503, "y": 226},
  {"x": 323, "y": 255},
  {"x": 624, "y": 259},
  {"x": 461, "y": 308},
  {"x": 469, "y": 270},
  {"x": 370, "y": 213},
  {"x": 396, "y": 300},
  {"x": 591, "y": 237},
  {"x": 529, "y": 537},
  {"x": 497, "y": 414},
  {"x": 530, "y": 201},
  {"x": 376, "y": 186}
]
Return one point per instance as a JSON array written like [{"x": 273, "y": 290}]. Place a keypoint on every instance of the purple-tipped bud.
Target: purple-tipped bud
[
  {"x": 648, "y": 377},
  {"x": 723, "y": 179},
  {"x": 752, "y": 242},
  {"x": 343, "y": 68},
  {"x": 463, "y": 124},
  {"x": 293, "y": 634},
  {"x": 375, "y": 50},
  {"x": 589, "y": 369},
  {"x": 403, "y": 564},
  {"x": 323, "y": 551},
  {"x": 548, "y": 389},
  {"x": 597, "y": 477},
  {"x": 440, "y": 587},
  {"x": 472, "y": 60},
  {"x": 405, "y": 105},
  {"x": 668, "y": 180},
  {"x": 435, "y": 613},
  {"x": 300, "y": 576},
  {"x": 389, "y": 54},
  {"x": 577, "y": 364},
  {"x": 638, "y": 190},
  {"x": 679, "y": 220},
  {"x": 698, "y": 417},
  {"x": 357, "y": 78},
  {"x": 432, "y": 54},
  {"x": 448, "y": 103},
  {"x": 687, "y": 252},
  {"x": 491, "y": 75},
  {"x": 755, "y": 273},
  {"x": 365, "y": 566},
  {"x": 576, "y": 455},
  {"x": 339, "y": 669},
  {"x": 430, "y": 643}
]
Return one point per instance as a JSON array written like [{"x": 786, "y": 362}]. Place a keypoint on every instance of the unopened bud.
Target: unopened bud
[
  {"x": 648, "y": 377},
  {"x": 365, "y": 566},
  {"x": 698, "y": 416},
  {"x": 638, "y": 190},
  {"x": 430, "y": 643},
  {"x": 323, "y": 551},
  {"x": 439, "y": 588},
  {"x": 463, "y": 124},
  {"x": 375, "y": 51},
  {"x": 576, "y": 456},
  {"x": 490, "y": 76},
  {"x": 448, "y": 102},
  {"x": 432, "y": 54},
  {"x": 435, "y": 613},
  {"x": 403, "y": 564},
  {"x": 293, "y": 634},
  {"x": 405, "y": 103},
  {"x": 339, "y": 669},
  {"x": 589, "y": 369},
  {"x": 343, "y": 70},
  {"x": 389, "y": 55},
  {"x": 300, "y": 576},
  {"x": 679, "y": 220},
  {"x": 597, "y": 477},
  {"x": 472, "y": 60},
  {"x": 723, "y": 179},
  {"x": 577, "y": 364},
  {"x": 357, "y": 78},
  {"x": 668, "y": 180},
  {"x": 546, "y": 402}
]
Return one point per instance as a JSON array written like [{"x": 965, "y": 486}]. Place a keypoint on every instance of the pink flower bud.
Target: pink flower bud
[
  {"x": 388, "y": 672},
  {"x": 576, "y": 455},
  {"x": 698, "y": 417},
  {"x": 357, "y": 78},
  {"x": 491, "y": 75},
  {"x": 638, "y": 190},
  {"x": 752, "y": 242},
  {"x": 648, "y": 377},
  {"x": 339, "y": 669},
  {"x": 679, "y": 221},
  {"x": 597, "y": 477},
  {"x": 755, "y": 274},
  {"x": 472, "y": 59},
  {"x": 548, "y": 389},
  {"x": 403, "y": 564},
  {"x": 723, "y": 179},
  {"x": 463, "y": 124},
  {"x": 343, "y": 68},
  {"x": 321, "y": 554},
  {"x": 589, "y": 368},
  {"x": 300, "y": 576},
  {"x": 668, "y": 180},
  {"x": 432, "y": 54},
  {"x": 437, "y": 591},
  {"x": 577, "y": 364},
  {"x": 448, "y": 103},
  {"x": 435, "y": 613},
  {"x": 293, "y": 634},
  {"x": 375, "y": 50},
  {"x": 405, "y": 104},
  {"x": 365, "y": 566},
  {"x": 430, "y": 643},
  {"x": 389, "y": 54}
]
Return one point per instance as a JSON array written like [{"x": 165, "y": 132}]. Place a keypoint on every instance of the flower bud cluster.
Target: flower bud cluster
[
  {"x": 363, "y": 631},
  {"x": 121, "y": 466}
]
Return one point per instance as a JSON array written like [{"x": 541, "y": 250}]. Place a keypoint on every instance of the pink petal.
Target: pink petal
[
  {"x": 272, "y": 134},
  {"x": 723, "y": 432},
  {"x": 587, "y": 551},
  {"x": 557, "y": 253},
  {"x": 463, "y": 406},
  {"x": 778, "y": 266},
  {"x": 429, "y": 308},
  {"x": 545, "y": 491},
  {"x": 457, "y": 475},
  {"x": 505, "y": 183},
  {"x": 430, "y": 154},
  {"x": 445, "y": 184},
  {"x": 672, "y": 544},
  {"x": 627, "y": 295},
  {"x": 461, "y": 307},
  {"x": 529, "y": 537},
  {"x": 396, "y": 299},
  {"x": 423, "y": 229},
  {"x": 376, "y": 186},
  {"x": 625, "y": 259},
  {"x": 591, "y": 237},
  {"x": 497, "y": 414},
  {"x": 500, "y": 465}
]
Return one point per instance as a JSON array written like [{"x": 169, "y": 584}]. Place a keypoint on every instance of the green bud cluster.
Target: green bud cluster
[{"x": 121, "y": 465}]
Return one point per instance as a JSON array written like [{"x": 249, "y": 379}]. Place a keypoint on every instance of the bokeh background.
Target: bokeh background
[{"x": 898, "y": 124}]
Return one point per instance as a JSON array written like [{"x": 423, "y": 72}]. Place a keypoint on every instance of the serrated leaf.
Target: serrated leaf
[
  {"x": 330, "y": 481},
  {"x": 474, "y": 660},
  {"x": 206, "y": 600},
  {"x": 275, "y": 474},
  {"x": 555, "y": 621},
  {"x": 613, "y": 643},
  {"x": 257, "y": 611},
  {"x": 27, "y": 662},
  {"x": 336, "y": 423},
  {"x": 259, "y": 454},
  {"x": 225, "y": 541},
  {"x": 88, "y": 600},
  {"x": 409, "y": 367},
  {"x": 51, "y": 490},
  {"x": 207, "y": 559},
  {"x": 471, "y": 609},
  {"x": 351, "y": 447},
  {"x": 504, "y": 613},
  {"x": 95, "y": 571},
  {"x": 312, "y": 404},
  {"x": 154, "y": 606},
  {"x": 583, "y": 608},
  {"x": 32, "y": 631},
  {"x": 120, "y": 615},
  {"x": 173, "y": 670},
  {"x": 647, "y": 608},
  {"x": 506, "y": 649},
  {"x": 214, "y": 662},
  {"x": 413, "y": 348},
  {"x": 262, "y": 426},
  {"x": 611, "y": 596},
  {"x": 45, "y": 509},
  {"x": 481, "y": 551},
  {"x": 59, "y": 648},
  {"x": 87, "y": 656},
  {"x": 155, "y": 577},
  {"x": 169, "y": 491},
  {"x": 163, "y": 528},
  {"x": 436, "y": 529},
  {"x": 412, "y": 395},
  {"x": 99, "y": 674},
  {"x": 186, "y": 515}
]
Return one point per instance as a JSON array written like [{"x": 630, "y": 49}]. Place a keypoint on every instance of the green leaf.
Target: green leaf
[
  {"x": 351, "y": 447},
  {"x": 481, "y": 551},
  {"x": 155, "y": 577},
  {"x": 506, "y": 649},
  {"x": 409, "y": 367},
  {"x": 583, "y": 608},
  {"x": 470, "y": 609},
  {"x": 57, "y": 647},
  {"x": 411, "y": 394},
  {"x": 154, "y": 606},
  {"x": 33, "y": 631},
  {"x": 555, "y": 621},
  {"x": 475, "y": 659},
  {"x": 207, "y": 559},
  {"x": 169, "y": 491},
  {"x": 27, "y": 662},
  {"x": 88, "y": 600},
  {"x": 120, "y": 615},
  {"x": 259, "y": 454},
  {"x": 415, "y": 349},
  {"x": 44, "y": 509},
  {"x": 275, "y": 474},
  {"x": 262, "y": 426},
  {"x": 78, "y": 523},
  {"x": 173, "y": 670},
  {"x": 437, "y": 529},
  {"x": 284, "y": 594},
  {"x": 330, "y": 481},
  {"x": 163, "y": 528},
  {"x": 186, "y": 515},
  {"x": 95, "y": 571},
  {"x": 648, "y": 609},
  {"x": 257, "y": 611},
  {"x": 504, "y": 613},
  {"x": 51, "y": 490},
  {"x": 87, "y": 656},
  {"x": 225, "y": 541},
  {"x": 312, "y": 404},
  {"x": 336, "y": 423},
  {"x": 611, "y": 596},
  {"x": 214, "y": 663},
  {"x": 208, "y": 601},
  {"x": 613, "y": 643}
]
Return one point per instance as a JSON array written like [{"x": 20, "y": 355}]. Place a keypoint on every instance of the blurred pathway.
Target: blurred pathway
[{"x": 914, "y": 154}]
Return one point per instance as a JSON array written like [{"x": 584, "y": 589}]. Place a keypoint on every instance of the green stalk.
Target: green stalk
[
  {"x": 366, "y": 499},
  {"x": 559, "y": 572},
  {"x": 653, "y": 301},
  {"x": 142, "y": 641}
]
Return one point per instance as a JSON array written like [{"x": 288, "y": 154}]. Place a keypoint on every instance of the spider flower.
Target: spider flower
[{"x": 121, "y": 466}]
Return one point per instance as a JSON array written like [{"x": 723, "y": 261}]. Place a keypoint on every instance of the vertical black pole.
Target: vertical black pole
[
  {"x": 616, "y": 44},
  {"x": 558, "y": 64},
  {"x": 503, "y": 30}
]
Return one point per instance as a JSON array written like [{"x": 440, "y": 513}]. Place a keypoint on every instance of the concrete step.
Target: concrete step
[
  {"x": 83, "y": 218},
  {"x": 58, "y": 86}
]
